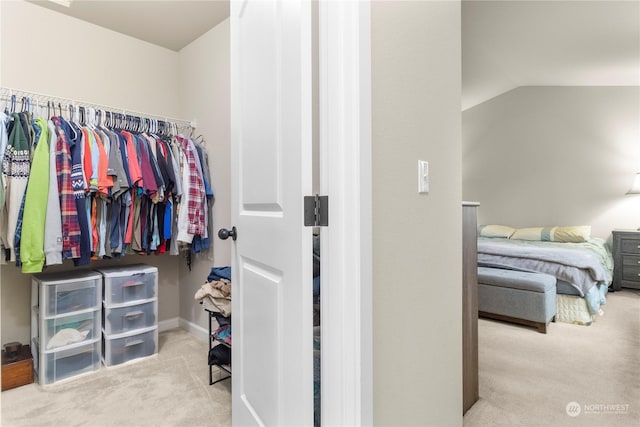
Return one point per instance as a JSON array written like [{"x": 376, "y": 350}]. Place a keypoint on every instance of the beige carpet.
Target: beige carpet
[
  {"x": 526, "y": 379},
  {"x": 529, "y": 379},
  {"x": 168, "y": 389}
]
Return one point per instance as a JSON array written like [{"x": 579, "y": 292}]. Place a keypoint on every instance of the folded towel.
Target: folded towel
[{"x": 65, "y": 337}]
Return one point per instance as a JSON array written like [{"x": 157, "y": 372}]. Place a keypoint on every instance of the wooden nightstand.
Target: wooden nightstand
[{"x": 626, "y": 259}]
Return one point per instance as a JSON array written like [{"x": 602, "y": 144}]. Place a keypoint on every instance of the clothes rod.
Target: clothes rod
[{"x": 41, "y": 100}]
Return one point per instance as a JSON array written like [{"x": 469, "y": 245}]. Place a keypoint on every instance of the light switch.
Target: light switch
[{"x": 423, "y": 176}]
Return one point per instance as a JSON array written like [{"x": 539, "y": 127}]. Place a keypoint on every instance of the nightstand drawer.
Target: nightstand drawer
[
  {"x": 631, "y": 246},
  {"x": 631, "y": 261},
  {"x": 626, "y": 259},
  {"x": 631, "y": 273}
]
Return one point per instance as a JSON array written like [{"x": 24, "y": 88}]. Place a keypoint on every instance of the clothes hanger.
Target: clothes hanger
[{"x": 91, "y": 117}]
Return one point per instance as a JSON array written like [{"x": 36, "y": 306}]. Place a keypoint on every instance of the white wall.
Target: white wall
[
  {"x": 417, "y": 249},
  {"x": 543, "y": 156},
  {"x": 74, "y": 59},
  {"x": 204, "y": 77}
]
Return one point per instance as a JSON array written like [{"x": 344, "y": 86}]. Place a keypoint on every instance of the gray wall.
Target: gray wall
[
  {"x": 543, "y": 156},
  {"x": 417, "y": 248}
]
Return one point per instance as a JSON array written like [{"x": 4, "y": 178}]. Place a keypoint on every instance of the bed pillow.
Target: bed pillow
[
  {"x": 572, "y": 234},
  {"x": 495, "y": 231}
]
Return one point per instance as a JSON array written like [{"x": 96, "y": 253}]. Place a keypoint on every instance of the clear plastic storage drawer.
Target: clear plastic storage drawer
[
  {"x": 128, "y": 284},
  {"x": 120, "y": 319},
  {"x": 122, "y": 348},
  {"x": 68, "y": 292},
  {"x": 63, "y": 331},
  {"x": 59, "y": 365}
]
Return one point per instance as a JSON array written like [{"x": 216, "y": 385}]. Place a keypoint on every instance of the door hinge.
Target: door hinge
[{"x": 316, "y": 211}]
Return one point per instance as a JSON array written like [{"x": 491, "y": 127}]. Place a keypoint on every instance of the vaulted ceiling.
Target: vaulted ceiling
[
  {"x": 505, "y": 44},
  {"x": 171, "y": 24}
]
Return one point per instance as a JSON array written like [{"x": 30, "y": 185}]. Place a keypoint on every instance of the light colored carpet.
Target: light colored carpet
[
  {"x": 168, "y": 389},
  {"x": 528, "y": 379}
]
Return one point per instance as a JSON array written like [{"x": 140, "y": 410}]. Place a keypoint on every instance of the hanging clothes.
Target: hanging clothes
[
  {"x": 83, "y": 190},
  {"x": 53, "y": 224},
  {"x": 192, "y": 219},
  {"x": 68, "y": 210},
  {"x": 16, "y": 165},
  {"x": 35, "y": 205}
]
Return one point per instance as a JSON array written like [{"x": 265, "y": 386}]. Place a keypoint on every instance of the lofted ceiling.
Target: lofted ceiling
[
  {"x": 169, "y": 23},
  {"x": 507, "y": 44}
]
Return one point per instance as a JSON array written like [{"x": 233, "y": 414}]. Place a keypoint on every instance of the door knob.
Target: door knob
[{"x": 224, "y": 234}]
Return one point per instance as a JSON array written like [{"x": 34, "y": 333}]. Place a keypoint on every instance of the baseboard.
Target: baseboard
[
  {"x": 165, "y": 325},
  {"x": 195, "y": 330},
  {"x": 178, "y": 322}
]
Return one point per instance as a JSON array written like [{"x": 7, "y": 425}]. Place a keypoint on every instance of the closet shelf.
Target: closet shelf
[{"x": 214, "y": 341}]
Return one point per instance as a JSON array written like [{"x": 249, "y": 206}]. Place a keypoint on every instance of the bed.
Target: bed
[{"x": 582, "y": 264}]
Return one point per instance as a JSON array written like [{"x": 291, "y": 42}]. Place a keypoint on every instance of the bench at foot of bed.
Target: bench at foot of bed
[{"x": 517, "y": 296}]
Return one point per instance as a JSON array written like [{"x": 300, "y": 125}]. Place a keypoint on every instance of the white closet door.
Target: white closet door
[{"x": 271, "y": 172}]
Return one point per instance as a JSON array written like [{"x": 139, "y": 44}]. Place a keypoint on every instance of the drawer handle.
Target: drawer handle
[
  {"x": 134, "y": 314},
  {"x": 132, "y": 343},
  {"x": 132, "y": 284}
]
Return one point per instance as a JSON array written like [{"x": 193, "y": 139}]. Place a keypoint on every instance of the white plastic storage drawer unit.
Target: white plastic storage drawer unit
[
  {"x": 66, "y": 324},
  {"x": 66, "y": 292},
  {"x": 121, "y": 348},
  {"x": 54, "y": 366},
  {"x": 129, "y": 313},
  {"x": 68, "y": 329},
  {"x": 129, "y": 283},
  {"x": 124, "y": 318}
]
